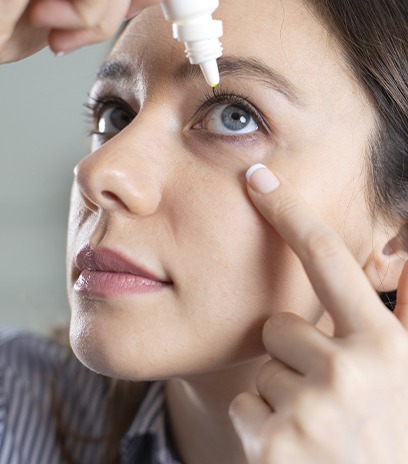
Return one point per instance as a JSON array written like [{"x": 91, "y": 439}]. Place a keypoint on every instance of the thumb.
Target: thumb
[
  {"x": 401, "y": 308},
  {"x": 137, "y": 6}
]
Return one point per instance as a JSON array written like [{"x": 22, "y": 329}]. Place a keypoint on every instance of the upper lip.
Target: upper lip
[{"x": 107, "y": 260}]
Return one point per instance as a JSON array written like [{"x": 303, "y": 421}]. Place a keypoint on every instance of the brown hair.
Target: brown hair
[{"x": 374, "y": 38}]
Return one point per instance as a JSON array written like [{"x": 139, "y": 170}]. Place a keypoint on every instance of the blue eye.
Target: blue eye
[
  {"x": 113, "y": 118},
  {"x": 229, "y": 119}
]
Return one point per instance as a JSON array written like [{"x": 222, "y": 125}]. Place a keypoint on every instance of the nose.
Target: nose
[{"x": 120, "y": 176}]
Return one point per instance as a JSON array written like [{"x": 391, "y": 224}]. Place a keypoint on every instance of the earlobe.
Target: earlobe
[{"x": 385, "y": 263}]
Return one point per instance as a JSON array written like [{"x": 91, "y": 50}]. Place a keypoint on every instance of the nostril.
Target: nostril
[{"x": 110, "y": 196}]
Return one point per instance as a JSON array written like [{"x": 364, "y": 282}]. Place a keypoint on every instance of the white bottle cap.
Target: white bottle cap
[{"x": 193, "y": 25}]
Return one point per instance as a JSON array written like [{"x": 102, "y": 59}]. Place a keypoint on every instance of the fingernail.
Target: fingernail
[
  {"x": 59, "y": 54},
  {"x": 261, "y": 179}
]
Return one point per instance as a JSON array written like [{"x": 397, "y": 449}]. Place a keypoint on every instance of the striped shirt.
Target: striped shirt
[{"x": 33, "y": 372}]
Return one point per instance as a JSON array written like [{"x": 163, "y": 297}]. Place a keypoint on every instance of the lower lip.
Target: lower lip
[{"x": 110, "y": 284}]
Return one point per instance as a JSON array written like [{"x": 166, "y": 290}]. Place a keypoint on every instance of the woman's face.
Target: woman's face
[{"x": 165, "y": 188}]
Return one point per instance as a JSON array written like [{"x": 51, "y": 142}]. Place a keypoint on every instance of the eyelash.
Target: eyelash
[
  {"x": 94, "y": 107},
  {"x": 217, "y": 97},
  {"x": 223, "y": 97}
]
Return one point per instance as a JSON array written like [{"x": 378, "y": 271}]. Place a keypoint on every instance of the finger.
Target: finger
[
  {"x": 401, "y": 307},
  {"x": 137, "y": 6},
  {"x": 23, "y": 41},
  {"x": 60, "y": 14},
  {"x": 337, "y": 279},
  {"x": 10, "y": 13},
  {"x": 295, "y": 342},
  {"x": 92, "y": 11},
  {"x": 248, "y": 413},
  {"x": 67, "y": 41},
  {"x": 277, "y": 384},
  {"x": 72, "y": 14}
]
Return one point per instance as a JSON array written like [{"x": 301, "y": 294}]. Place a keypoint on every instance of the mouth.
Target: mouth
[{"x": 106, "y": 273}]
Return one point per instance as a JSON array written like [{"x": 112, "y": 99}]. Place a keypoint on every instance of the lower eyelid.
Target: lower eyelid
[
  {"x": 226, "y": 97},
  {"x": 238, "y": 140},
  {"x": 229, "y": 133}
]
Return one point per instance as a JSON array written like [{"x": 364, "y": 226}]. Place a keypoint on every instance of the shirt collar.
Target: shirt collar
[{"x": 147, "y": 437}]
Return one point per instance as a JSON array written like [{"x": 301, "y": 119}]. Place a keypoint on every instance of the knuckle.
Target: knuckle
[
  {"x": 237, "y": 404},
  {"x": 277, "y": 443},
  {"x": 104, "y": 30},
  {"x": 342, "y": 374},
  {"x": 280, "y": 319},
  {"x": 335, "y": 361},
  {"x": 392, "y": 346},
  {"x": 270, "y": 373},
  {"x": 285, "y": 207},
  {"x": 322, "y": 244},
  {"x": 89, "y": 14},
  {"x": 276, "y": 323}
]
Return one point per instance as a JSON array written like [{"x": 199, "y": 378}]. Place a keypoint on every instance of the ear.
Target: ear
[{"x": 384, "y": 265}]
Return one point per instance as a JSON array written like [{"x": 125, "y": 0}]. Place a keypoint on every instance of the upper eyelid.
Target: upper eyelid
[
  {"x": 225, "y": 98},
  {"x": 97, "y": 102}
]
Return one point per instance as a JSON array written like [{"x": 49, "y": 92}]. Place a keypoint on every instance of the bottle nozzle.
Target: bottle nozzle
[
  {"x": 193, "y": 25},
  {"x": 210, "y": 72}
]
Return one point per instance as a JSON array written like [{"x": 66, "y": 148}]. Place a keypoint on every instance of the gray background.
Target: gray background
[{"x": 43, "y": 134}]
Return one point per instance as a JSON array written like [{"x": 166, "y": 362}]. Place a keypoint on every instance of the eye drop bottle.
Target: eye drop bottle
[{"x": 193, "y": 25}]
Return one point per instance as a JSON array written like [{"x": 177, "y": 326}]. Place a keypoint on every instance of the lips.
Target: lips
[{"x": 105, "y": 273}]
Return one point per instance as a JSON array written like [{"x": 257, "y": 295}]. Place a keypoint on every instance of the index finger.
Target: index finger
[
  {"x": 68, "y": 14},
  {"x": 337, "y": 279},
  {"x": 10, "y": 13},
  {"x": 138, "y": 5}
]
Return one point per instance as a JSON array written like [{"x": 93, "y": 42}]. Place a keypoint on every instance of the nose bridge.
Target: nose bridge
[{"x": 126, "y": 173}]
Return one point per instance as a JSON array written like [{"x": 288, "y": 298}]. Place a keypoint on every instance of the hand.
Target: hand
[
  {"x": 327, "y": 400},
  {"x": 26, "y": 26}
]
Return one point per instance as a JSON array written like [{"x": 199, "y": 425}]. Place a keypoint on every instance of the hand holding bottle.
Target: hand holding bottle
[{"x": 27, "y": 26}]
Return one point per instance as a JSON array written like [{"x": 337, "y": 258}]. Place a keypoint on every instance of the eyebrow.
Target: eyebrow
[
  {"x": 248, "y": 68},
  {"x": 113, "y": 70}
]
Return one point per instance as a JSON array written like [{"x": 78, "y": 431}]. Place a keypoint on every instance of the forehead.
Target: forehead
[{"x": 284, "y": 34}]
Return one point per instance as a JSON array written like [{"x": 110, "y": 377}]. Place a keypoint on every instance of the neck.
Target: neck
[{"x": 198, "y": 413}]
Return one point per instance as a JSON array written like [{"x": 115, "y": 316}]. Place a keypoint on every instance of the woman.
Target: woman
[{"x": 179, "y": 272}]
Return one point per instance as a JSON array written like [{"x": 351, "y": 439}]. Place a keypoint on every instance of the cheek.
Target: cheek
[
  {"x": 335, "y": 190},
  {"x": 344, "y": 208},
  {"x": 236, "y": 264}
]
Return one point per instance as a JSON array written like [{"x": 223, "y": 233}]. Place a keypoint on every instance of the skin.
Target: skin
[
  {"x": 186, "y": 234},
  {"x": 169, "y": 193},
  {"x": 27, "y": 26},
  {"x": 313, "y": 387},
  {"x": 350, "y": 387}
]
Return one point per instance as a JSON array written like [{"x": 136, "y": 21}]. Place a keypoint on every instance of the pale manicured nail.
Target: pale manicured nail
[
  {"x": 60, "y": 54},
  {"x": 261, "y": 179}
]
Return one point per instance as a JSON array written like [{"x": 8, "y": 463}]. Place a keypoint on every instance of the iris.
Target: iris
[{"x": 235, "y": 118}]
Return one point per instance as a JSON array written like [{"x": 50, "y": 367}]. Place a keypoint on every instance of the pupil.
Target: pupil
[
  {"x": 235, "y": 118},
  {"x": 120, "y": 119}
]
